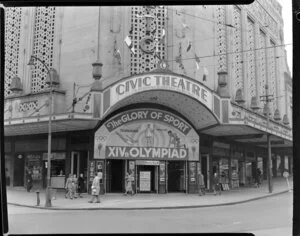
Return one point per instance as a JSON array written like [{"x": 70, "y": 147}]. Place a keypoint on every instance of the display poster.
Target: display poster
[
  {"x": 162, "y": 172},
  {"x": 146, "y": 134},
  {"x": 34, "y": 165},
  {"x": 92, "y": 171},
  {"x": 192, "y": 171},
  {"x": 145, "y": 181},
  {"x": 131, "y": 169},
  {"x": 99, "y": 168},
  {"x": 198, "y": 168}
]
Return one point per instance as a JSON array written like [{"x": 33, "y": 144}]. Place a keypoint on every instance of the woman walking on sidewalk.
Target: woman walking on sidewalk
[
  {"x": 68, "y": 187},
  {"x": 96, "y": 188}
]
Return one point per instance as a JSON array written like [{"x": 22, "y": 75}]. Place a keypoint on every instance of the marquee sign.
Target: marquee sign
[
  {"x": 146, "y": 134},
  {"x": 135, "y": 84}
]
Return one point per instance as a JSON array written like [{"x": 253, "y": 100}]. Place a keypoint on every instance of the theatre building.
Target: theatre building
[{"x": 148, "y": 90}]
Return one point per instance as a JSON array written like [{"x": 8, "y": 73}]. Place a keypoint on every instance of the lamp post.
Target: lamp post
[
  {"x": 266, "y": 99},
  {"x": 50, "y": 73}
]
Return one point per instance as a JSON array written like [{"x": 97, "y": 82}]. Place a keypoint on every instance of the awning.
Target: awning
[{"x": 39, "y": 124}]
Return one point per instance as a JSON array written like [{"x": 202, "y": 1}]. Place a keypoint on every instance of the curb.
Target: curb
[{"x": 153, "y": 208}]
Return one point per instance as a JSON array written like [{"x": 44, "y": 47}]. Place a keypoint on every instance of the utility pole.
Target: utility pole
[{"x": 266, "y": 99}]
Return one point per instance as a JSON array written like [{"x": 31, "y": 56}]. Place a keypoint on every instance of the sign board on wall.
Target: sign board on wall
[
  {"x": 145, "y": 181},
  {"x": 148, "y": 134},
  {"x": 136, "y": 84},
  {"x": 162, "y": 172}
]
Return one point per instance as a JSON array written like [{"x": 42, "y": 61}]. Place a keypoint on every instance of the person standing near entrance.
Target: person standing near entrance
[
  {"x": 201, "y": 186},
  {"x": 96, "y": 188},
  {"x": 75, "y": 185},
  {"x": 258, "y": 177},
  {"x": 128, "y": 181},
  {"x": 216, "y": 184},
  {"x": 29, "y": 181},
  {"x": 80, "y": 184}
]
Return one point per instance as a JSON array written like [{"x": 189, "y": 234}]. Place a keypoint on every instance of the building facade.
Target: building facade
[{"x": 153, "y": 90}]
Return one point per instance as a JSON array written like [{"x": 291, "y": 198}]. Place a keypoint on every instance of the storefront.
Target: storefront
[
  {"x": 237, "y": 163},
  {"x": 159, "y": 148},
  {"x": 220, "y": 163}
]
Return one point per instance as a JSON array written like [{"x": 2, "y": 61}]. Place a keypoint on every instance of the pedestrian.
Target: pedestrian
[
  {"x": 80, "y": 184},
  {"x": 201, "y": 185},
  {"x": 68, "y": 187},
  {"x": 258, "y": 177},
  {"x": 216, "y": 184},
  {"x": 29, "y": 181},
  {"x": 128, "y": 181},
  {"x": 96, "y": 188},
  {"x": 75, "y": 185}
]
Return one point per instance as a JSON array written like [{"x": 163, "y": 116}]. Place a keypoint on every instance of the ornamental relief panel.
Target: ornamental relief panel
[
  {"x": 12, "y": 45},
  {"x": 261, "y": 15},
  {"x": 272, "y": 78},
  {"x": 262, "y": 63},
  {"x": 43, "y": 38},
  {"x": 147, "y": 24},
  {"x": 251, "y": 57},
  {"x": 221, "y": 39},
  {"x": 237, "y": 65}
]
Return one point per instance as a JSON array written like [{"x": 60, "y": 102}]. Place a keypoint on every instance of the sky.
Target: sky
[{"x": 288, "y": 29}]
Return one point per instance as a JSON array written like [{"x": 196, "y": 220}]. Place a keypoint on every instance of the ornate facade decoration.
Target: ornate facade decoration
[
  {"x": 237, "y": 65},
  {"x": 12, "y": 45},
  {"x": 262, "y": 63},
  {"x": 147, "y": 23},
  {"x": 257, "y": 9},
  {"x": 44, "y": 28},
  {"x": 221, "y": 36},
  {"x": 251, "y": 57},
  {"x": 27, "y": 106},
  {"x": 272, "y": 74}
]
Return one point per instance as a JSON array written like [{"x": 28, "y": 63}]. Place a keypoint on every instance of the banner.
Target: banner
[
  {"x": 146, "y": 114},
  {"x": 114, "y": 152}
]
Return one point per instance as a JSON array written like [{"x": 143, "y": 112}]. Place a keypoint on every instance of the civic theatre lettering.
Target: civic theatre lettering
[
  {"x": 176, "y": 83},
  {"x": 146, "y": 153},
  {"x": 148, "y": 134}
]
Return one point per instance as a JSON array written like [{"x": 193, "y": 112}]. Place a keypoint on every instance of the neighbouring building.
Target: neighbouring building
[{"x": 178, "y": 92}]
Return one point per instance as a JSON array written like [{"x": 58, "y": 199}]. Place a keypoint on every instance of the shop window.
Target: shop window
[
  {"x": 224, "y": 176},
  {"x": 58, "y": 163},
  {"x": 33, "y": 164},
  {"x": 235, "y": 173}
]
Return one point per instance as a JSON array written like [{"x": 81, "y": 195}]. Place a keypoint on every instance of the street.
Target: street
[{"x": 269, "y": 216}]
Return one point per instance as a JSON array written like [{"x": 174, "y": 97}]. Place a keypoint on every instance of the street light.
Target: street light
[{"x": 52, "y": 78}]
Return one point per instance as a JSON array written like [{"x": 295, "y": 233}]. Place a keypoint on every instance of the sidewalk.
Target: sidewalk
[{"x": 110, "y": 201}]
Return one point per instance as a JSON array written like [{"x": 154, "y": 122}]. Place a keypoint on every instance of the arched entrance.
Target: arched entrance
[{"x": 159, "y": 148}]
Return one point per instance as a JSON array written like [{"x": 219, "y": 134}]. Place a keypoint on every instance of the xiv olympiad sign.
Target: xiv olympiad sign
[
  {"x": 136, "y": 84},
  {"x": 114, "y": 152}
]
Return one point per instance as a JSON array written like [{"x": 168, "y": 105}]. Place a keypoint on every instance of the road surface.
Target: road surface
[{"x": 269, "y": 216}]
